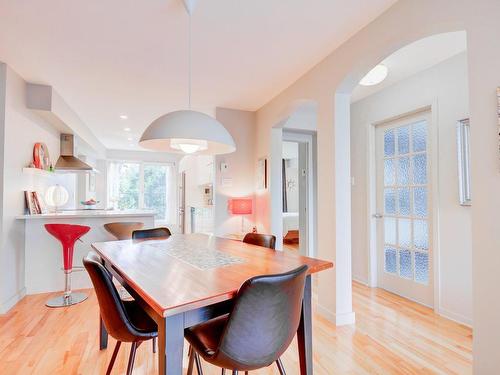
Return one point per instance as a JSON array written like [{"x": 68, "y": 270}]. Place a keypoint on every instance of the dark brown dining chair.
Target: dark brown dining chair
[
  {"x": 123, "y": 230},
  {"x": 261, "y": 326},
  {"x": 126, "y": 321},
  {"x": 151, "y": 233},
  {"x": 258, "y": 239}
]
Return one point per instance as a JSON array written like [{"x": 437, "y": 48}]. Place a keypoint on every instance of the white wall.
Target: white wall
[
  {"x": 405, "y": 22},
  {"x": 446, "y": 86},
  {"x": 239, "y": 179},
  {"x": 21, "y": 130}
]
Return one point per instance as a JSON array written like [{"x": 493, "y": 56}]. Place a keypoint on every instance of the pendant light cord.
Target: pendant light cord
[{"x": 189, "y": 62}]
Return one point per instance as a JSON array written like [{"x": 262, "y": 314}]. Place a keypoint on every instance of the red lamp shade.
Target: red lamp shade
[{"x": 240, "y": 206}]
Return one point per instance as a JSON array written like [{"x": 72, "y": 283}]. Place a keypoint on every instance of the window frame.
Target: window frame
[{"x": 141, "y": 189}]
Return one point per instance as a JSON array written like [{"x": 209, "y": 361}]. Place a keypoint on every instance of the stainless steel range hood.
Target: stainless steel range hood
[{"x": 68, "y": 162}]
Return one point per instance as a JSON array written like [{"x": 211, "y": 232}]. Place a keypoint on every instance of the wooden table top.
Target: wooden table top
[{"x": 171, "y": 282}]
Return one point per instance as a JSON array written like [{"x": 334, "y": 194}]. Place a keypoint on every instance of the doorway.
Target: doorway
[
  {"x": 298, "y": 193},
  {"x": 196, "y": 200},
  {"x": 404, "y": 216}
]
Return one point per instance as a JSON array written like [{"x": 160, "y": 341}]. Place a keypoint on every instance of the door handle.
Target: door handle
[{"x": 378, "y": 216}]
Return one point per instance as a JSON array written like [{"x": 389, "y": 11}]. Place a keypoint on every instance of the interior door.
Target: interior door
[{"x": 404, "y": 248}]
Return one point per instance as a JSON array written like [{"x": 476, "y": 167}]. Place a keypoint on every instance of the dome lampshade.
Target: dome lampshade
[{"x": 188, "y": 132}]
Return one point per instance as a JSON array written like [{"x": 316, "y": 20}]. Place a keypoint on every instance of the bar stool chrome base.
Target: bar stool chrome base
[{"x": 63, "y": 301}]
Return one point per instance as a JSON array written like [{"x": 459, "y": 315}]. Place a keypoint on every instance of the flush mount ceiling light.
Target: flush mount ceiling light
[
  {"x": 123, "y": 117},
  {"x": 188, "y": 131},
  {"x": 375, "y": 76}
]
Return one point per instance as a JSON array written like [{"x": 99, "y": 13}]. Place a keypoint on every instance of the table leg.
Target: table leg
[
  {"x": 103, "y": 335},
  {"x": 171, "y": 344},
  {"x": 304, "y": 333}
]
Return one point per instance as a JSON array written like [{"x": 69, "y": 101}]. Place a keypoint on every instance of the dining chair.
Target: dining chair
[
  {"x": 259, "y": 239},
  {"x": 262, "y": 324},
  {"x": 123, "y": 230},
  {"x": 151, "y": 233},
  {"x": 126, "y": 321}
]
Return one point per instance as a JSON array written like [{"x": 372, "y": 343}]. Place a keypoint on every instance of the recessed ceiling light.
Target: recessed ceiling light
[
  {"x": 127, "y": 129},
  {"x": 129, "y": 138},
  {"x": 123, "y": 117},
  {"x": 375, "y": 76}
]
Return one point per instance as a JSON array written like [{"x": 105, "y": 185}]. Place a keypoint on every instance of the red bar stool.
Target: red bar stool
[{"x": 67, "y": 234}]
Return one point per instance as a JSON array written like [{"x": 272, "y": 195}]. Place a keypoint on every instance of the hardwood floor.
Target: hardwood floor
[
  {"x": 391, "y": 336},
  {"x": 293, "y": 247}
]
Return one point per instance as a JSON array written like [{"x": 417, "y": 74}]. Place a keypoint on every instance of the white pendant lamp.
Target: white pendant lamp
[{"x": 188, "y": 131}]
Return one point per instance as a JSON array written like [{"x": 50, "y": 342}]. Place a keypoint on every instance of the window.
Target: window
[{"x": 138, "y": 185}]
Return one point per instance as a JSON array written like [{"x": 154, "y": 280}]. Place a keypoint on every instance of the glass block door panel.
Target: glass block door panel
[{"x": 405, "y": 202}]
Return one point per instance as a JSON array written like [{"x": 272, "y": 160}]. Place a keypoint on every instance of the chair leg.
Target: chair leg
[
  {"x": 281, "y": 368},
  {"x": 197, "y": 359},
  {"x": 235, "y": 372},
  {"x": 131, "y": 359},
  {"x": 191, "y": 361},
  {"x": 113, "y": 357},
  {"x": 223, "y": 372},
  {"x": 154, "y": 344}
]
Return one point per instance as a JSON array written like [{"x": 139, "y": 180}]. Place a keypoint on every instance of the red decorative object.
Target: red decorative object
[
  {"x": 240, "y": 206},
  {"x": 41, "y": 158}
]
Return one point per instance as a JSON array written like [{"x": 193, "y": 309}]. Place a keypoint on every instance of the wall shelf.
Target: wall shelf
[{"x": 38, "y": 172}]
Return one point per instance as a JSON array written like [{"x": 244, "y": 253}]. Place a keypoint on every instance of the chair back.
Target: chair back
[
  {"x": 264, "y": 319},
  {"x": 112, "y": 310},
  {"x": 151, "y": 233},
  {"x": 258, "y": 239}
]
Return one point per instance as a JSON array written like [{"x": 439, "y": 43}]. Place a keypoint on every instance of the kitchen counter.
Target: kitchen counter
[
  {"x": 84, "y": 214},
  {"x": 43, "y": 253}
]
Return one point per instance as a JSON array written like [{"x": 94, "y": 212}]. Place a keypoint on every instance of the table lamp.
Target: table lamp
[
  {"x": 241, "y": 206},
  {"x": 56, "y": 196}
]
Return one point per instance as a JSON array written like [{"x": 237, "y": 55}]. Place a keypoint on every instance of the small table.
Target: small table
[{"x": 188, "y": 279}]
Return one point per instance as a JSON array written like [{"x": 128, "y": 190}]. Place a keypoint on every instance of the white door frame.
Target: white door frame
[
  {"x": 309, "y": 138},
  {"x": 372, "y": 194}
]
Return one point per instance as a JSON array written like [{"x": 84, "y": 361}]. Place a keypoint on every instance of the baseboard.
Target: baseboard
[
  {"x": 455, "y": 317},
  {"x": 358, "y": 280},
  {"x": 337, "y": 319},
  {"x": 11, "y": 302}
]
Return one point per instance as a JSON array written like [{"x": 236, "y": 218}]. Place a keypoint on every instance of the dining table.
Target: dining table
[{"x": 186, "y": 279}]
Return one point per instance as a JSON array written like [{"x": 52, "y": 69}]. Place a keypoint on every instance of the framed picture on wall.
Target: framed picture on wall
[{"x": 262, "y": 174}]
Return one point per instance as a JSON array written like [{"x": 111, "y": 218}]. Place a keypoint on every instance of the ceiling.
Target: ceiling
[
  {"x": 114, "y": 57},
  {"x": 414, "y": 58}
]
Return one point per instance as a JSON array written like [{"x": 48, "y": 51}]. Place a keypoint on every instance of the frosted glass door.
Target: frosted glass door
[{"x": 403, "y": 208}]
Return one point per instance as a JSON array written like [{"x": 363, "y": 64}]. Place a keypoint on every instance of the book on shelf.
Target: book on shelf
[{"x": 34, "y": 205}]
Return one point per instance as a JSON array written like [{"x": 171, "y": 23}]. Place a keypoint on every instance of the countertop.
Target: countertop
[{"x": 86, "y": 214}]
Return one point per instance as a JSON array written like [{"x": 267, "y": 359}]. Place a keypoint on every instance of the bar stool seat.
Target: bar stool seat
[
  {"x": 123, "y": 230},
  {"x": 67, "y": 234}
]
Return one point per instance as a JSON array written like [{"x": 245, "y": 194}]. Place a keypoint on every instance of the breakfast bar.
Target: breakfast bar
[{"x": 42, "y": 252}]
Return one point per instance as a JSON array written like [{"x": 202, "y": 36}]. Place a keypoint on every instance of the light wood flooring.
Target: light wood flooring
[{"x": 392, "y": 336}]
